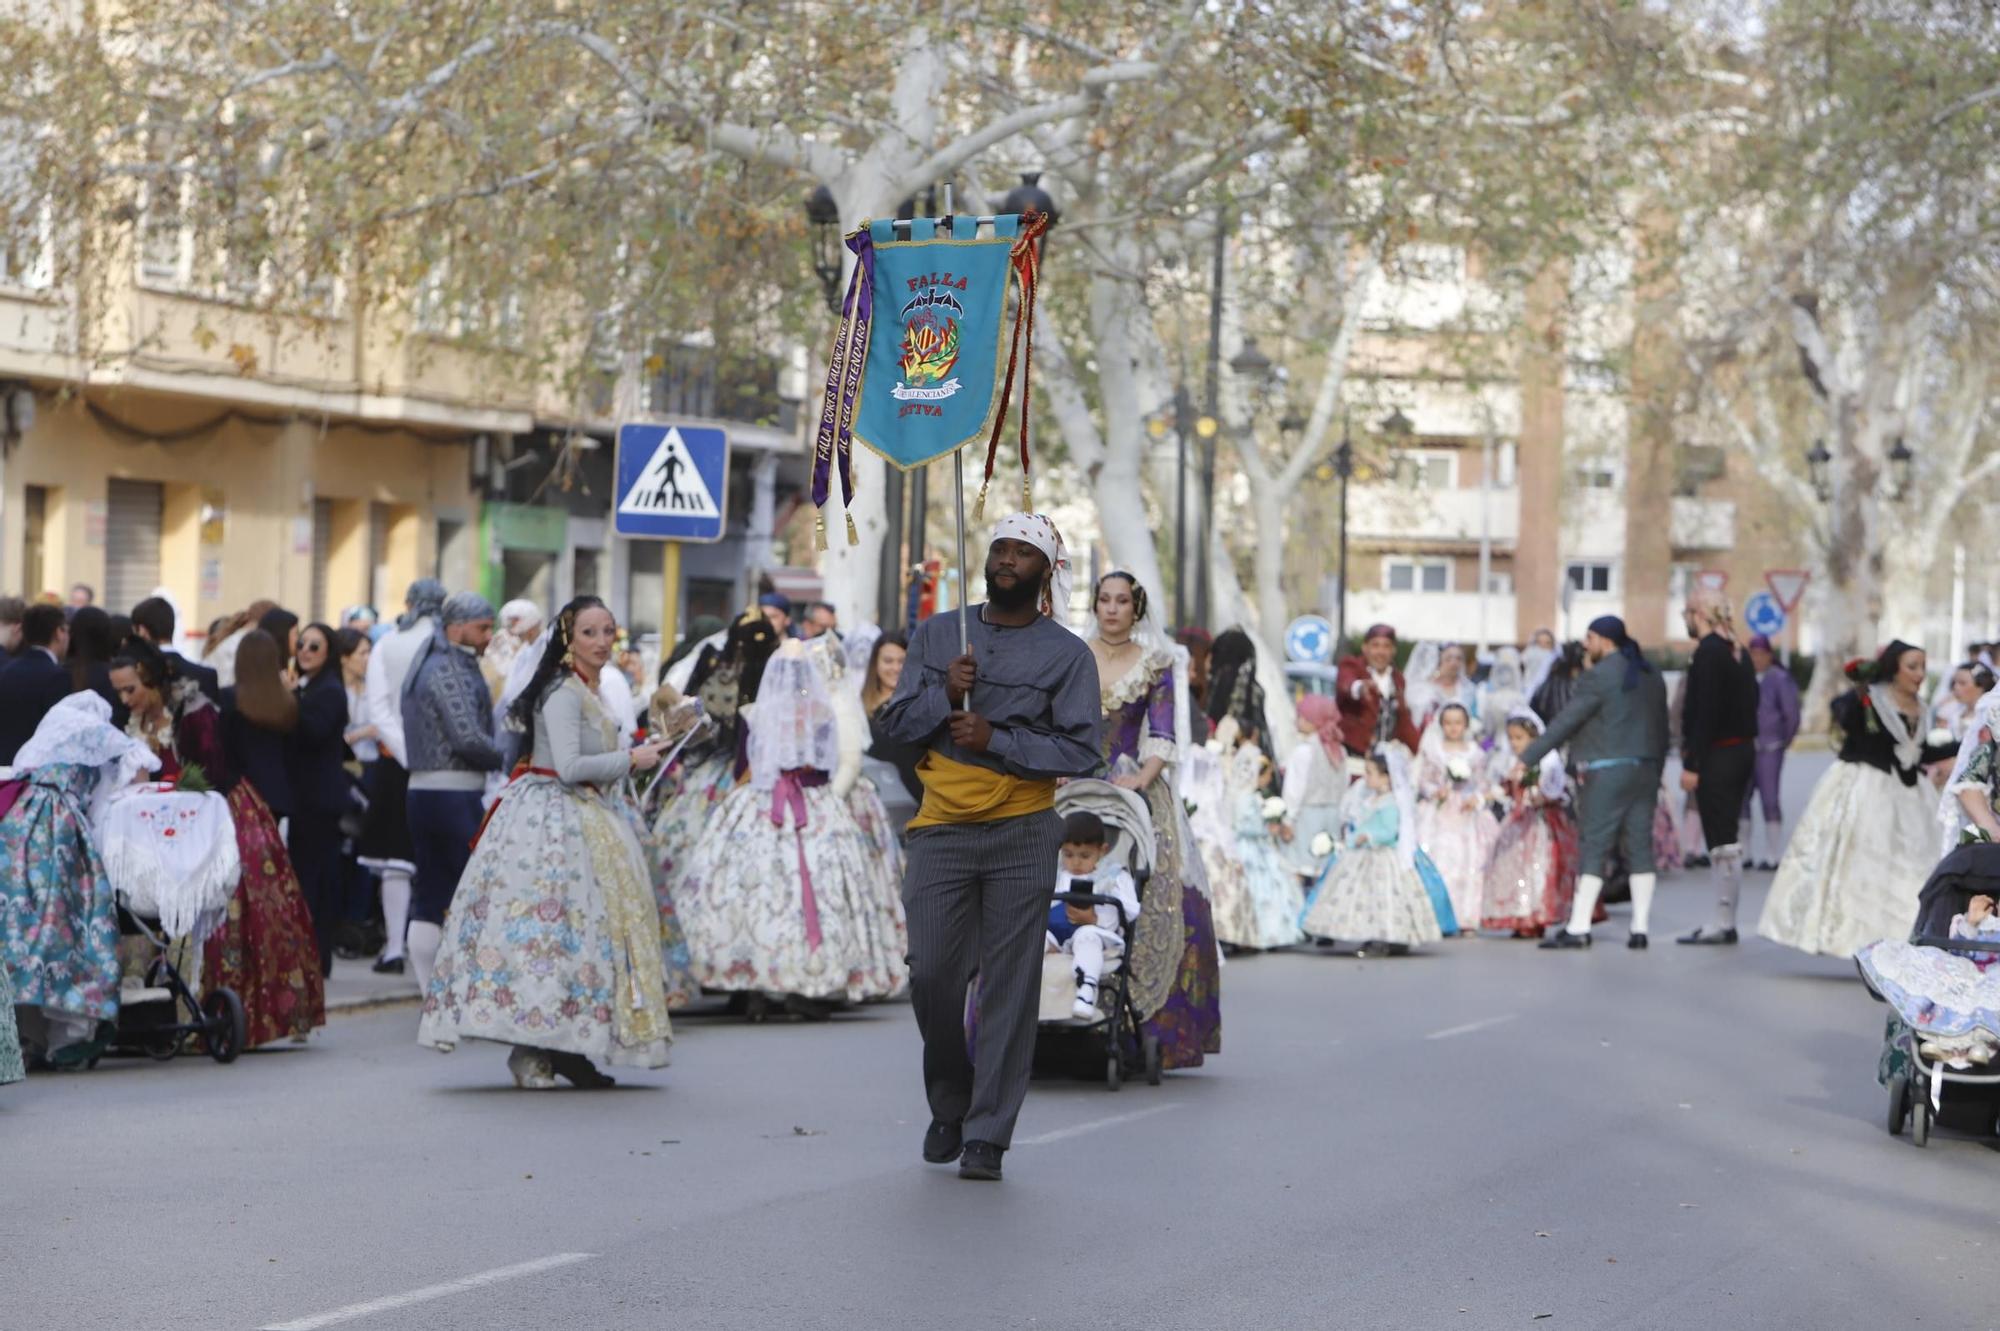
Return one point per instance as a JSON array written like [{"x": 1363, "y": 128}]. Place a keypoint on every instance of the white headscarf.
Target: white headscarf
[
  {"x": 1951, "y": 814},
  {"x": 1504, "y": 693},
  {"x": 78, "y": 730},
  {"x": 1040, "y": 532},
  {"x": 519, "y": 622}
]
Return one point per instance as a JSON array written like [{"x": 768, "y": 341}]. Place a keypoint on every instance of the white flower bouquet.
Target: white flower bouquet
[
  {"x": 1458, "y": 769},
  {"x": 1274, "y": 809},
  {"x": 1938, "y": 738},
  {"x": 1322, "y": 846}
]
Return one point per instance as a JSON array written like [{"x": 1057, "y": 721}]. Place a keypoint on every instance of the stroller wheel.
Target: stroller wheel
[
  {"x": 1150, "y": 1045},
  {"x": 1920, "y": 1122},
  {"x": 162, "y": 1047},
  {"x": 225, "y": 1027},
  {"x": 1114, "y": 1072},
  {"x": 1899, "y": 1104}
]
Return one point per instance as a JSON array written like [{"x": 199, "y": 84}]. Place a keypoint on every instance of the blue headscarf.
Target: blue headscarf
[{"x": 1613, "y": 628}]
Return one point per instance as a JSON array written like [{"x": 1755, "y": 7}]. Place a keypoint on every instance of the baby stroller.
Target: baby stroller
[
  {"x": 168, "y": 906},
  {"x": 1114, "y": 1036},
  {"x": 1915, "y": 1082}
]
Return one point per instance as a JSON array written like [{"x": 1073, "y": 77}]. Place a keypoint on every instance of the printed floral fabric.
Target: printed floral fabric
[
  {"x": 1939, "y": 994},
  {"x": 1855, "y": 864},
  {"x": 1371, "y": 896},
  {"x": 58, "y": 915},
  {"x": 539, "y": 945},
  {"x": 11, "y": 1068},
  {"x": 698, "y": 787},
  {"x": 1533, "y": 878},
  {"x": 266, "y": 950},
  {"x": 744, "y": 901}
]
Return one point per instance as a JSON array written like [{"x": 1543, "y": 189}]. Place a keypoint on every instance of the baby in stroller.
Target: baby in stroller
[{"x": 1089, "y": 934}]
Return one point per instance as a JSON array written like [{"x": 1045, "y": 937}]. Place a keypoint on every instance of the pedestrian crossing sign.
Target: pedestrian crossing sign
[{"x": 673, "y": 482}]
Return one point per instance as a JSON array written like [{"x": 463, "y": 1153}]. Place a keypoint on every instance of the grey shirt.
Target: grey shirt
[
  {"x": 1037, "y": 687},
  {"x": 1605, "y": 720}
]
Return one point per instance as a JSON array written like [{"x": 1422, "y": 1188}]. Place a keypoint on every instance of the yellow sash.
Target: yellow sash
[{"x": 956, "y": 792}]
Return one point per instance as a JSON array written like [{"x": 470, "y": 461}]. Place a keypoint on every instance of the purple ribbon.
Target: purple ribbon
[
  {"x": 789, "y": 795},
  {"x": 834, "y": 441}
]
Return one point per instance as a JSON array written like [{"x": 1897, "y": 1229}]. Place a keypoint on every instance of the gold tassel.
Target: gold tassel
[
  {"x": 819, "y": 532},
  {"x": 1027, "y": 494},
  {"x": 979, "y": 504},
  {"x": 853, "y": 536}
]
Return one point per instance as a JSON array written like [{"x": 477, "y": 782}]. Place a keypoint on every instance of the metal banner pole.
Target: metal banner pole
[{"x": 958, "y": 496}]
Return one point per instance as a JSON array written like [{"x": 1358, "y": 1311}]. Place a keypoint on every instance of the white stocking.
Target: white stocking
[
  {"x": 1642, "y": 902},
  {"x": 1588, "y": 888},
  {"x": 395, "y": 911},
  {"x": 424, "y": 941}
]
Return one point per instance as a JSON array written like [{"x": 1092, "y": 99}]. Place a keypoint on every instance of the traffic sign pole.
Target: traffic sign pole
[{"x": 670, "y": 596}]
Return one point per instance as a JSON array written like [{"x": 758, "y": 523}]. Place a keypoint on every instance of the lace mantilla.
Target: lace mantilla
[{"x": 1138, "y": 680}]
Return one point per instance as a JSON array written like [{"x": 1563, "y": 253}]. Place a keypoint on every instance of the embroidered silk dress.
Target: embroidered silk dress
[
  {"x": 11, "y": 1068},
  {"x": 1867, "y": 841},
  {"x": 1533, "y": 875},
  {"x": 1454, "y": 826},
  {"x": 787, "y": 893},
  {"x": 1173, "y": 967},
  {"x": 1266, "y": 915},
  {"x": 58, "y": 911},
  {"x": 1370, "y": 895},
  {"x": 555, "y": 939}
]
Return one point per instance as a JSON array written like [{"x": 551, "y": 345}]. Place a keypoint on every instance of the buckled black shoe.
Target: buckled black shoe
[
  {"x": 981, "y": 1161},
  {"x": 1709, "y": 937},
  {"x": 943, "y": 1142},
  {"x": 1562, "y": 940}
]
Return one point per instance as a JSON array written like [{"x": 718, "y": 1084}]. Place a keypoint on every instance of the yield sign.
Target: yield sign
[{"x": 1788, "y": 585}]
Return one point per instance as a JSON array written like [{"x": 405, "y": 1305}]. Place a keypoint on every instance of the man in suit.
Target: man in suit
[
  {"x": 153, "y": 620},
  {"x": 1616, "y": 727},
  {"x": 1374, "y": 705},
  {"x": 34, "y": 681}
]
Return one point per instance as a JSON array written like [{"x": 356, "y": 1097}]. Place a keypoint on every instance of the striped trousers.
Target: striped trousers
[{"x": 977, "y": 897}]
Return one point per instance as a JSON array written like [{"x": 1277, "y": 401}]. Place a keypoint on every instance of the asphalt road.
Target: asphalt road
[{"x": 1478, "y": 1136}]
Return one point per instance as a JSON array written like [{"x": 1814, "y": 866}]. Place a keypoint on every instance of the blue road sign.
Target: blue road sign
[
  {"x": 1309, "y": 638},
  {"x": 673, "y": 482},
  {"x": 1762, "y": 614}
]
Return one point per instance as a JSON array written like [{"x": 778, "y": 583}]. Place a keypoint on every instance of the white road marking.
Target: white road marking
[
  {"x": 1470, "y": 1027},
  {"x": 1064, "y": 1134},
  {"x": 391, "y": 1302}
]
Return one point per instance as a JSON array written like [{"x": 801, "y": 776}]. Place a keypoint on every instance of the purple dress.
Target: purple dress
[{"x": 1172, "y": 963}]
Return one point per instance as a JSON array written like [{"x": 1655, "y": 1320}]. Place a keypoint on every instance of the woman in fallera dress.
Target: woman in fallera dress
[
  {"x": 265, "y": 948},
  {"x": 1173, "y": 965},
  {"x": 787, "y": 898},
  {"x": 554, "y": 942},
  {"x": 1855, "y": 863}
]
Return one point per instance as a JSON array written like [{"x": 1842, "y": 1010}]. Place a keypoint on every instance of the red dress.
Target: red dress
[{"x": 265, "y": 949}]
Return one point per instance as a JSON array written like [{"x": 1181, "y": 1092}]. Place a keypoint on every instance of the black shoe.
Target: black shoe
[
  {"x": 1709, "y": 937},
  {"x": 1695, "y": 862},
  {"x": 389, "y": 966},
  {"x": 943, "y": 1142},
  {"x": 579, "y": 1072},
  {"x": 981, "y": 1161},
  {"x": 1636, "y": 943},
  {"x": 1563, "y": 939}
]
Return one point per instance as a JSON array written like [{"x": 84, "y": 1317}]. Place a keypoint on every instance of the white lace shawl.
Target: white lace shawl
[
  {"x": 78, "y": 730},
  {"x": 1952, "y": 816}
]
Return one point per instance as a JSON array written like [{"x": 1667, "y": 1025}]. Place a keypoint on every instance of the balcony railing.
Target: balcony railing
[{"x": 1392, "y": 512}]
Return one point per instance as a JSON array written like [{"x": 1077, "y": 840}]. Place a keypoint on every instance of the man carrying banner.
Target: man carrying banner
[{"x": 1002, "y": 722}]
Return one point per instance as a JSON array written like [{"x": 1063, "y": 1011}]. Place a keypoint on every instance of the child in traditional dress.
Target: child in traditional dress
[
  {"x": 1089, "y": 934},
  {"x": 1532, "y": 876},
  {"x": 1453, "y": 824},
  {"x": 1373, "y": 895}
]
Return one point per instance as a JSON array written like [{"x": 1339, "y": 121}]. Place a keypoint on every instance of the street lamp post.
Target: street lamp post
[{"x": 1343, "y": 467}]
